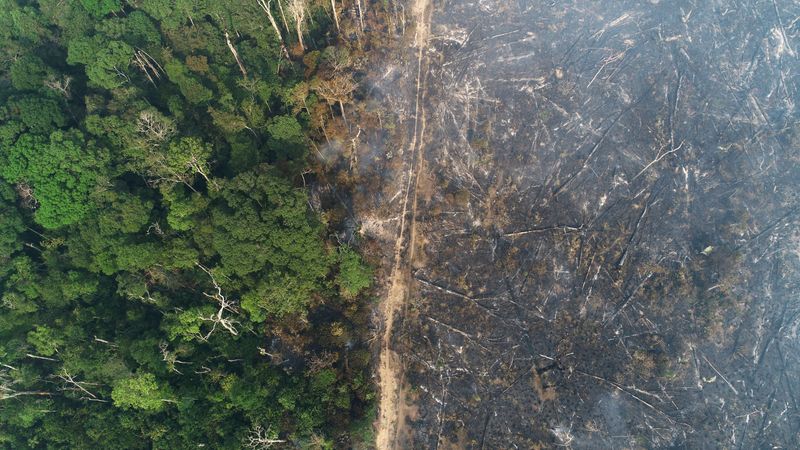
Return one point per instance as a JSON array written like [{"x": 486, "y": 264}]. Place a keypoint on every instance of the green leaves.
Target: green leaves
[
  {"x": 354, "y": 276},
  {"x": 262, "y": 224},
  {"x": 121, "y": 179},
  {"x": 11, "y": 225},
  {"x": 141, "y": 391},
  {"x": 100, "y": 8},
  {"x": 44, "y": 340},
  {"x": 29, "y": 73},
  {"x": 106, "y": 61},
  {"x": 183, "y": 207},
  {"x": 62, "y": 172},
  {"x": 261, "y": 221},
  {"x": 191, "y": 88},
  {"x": 39, "y": 115}
]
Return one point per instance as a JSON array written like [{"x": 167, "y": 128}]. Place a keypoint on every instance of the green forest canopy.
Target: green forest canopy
[{"x": 163, "y": 280}]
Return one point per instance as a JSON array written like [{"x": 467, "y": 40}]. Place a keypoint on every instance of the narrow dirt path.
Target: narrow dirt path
[{"x": 390, "y": 368}]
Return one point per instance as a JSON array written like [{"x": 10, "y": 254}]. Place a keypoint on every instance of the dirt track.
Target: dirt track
[{"x": 390, "y": 367}]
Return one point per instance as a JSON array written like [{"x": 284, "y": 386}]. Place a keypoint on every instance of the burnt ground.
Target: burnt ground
[{"x": 607, "y": 251}]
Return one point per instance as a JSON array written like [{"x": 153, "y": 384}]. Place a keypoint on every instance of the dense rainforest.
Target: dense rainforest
[{"x": 168, "y": 278}]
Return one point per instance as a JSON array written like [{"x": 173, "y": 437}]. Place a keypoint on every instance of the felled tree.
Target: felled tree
[
  {"x": 260, "y": 439},
  {"x": 9, "y": 389}
]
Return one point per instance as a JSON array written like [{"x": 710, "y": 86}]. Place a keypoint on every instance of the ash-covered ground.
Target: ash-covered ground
[{"x": 606, "y": 249}]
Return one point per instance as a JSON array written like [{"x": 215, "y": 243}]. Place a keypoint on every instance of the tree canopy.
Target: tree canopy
[{"x": 166, "y": 280}]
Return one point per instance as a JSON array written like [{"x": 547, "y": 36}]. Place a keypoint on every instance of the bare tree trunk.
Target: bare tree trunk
[
  {"x": 40, "y": 357},
  {"x": 260, "y": 439},
  {"x": 198, "y": 168},
  {"x": 71, "y": 384},
  {"x": 360, "y": 15},
  {"x": 266, "y": 7},
  {"x": 7, "y": 396},
  {"x": 225, "y": 306},
  {"x": 300, "y": 36},
  {"x": 235, "y": 54},
  {"x": 283, "y": 16},
  {"x": 354, "y": 154},
  {"x": 298, "y": 11},
  {"x": 341, "y": 105},
  {"x": 335, "y": 14}
]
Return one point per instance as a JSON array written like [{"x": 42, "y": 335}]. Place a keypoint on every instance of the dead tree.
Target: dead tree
[
  {"x": 337, "y": 89},
  {"x": 283, "y": 16},
  {"x": 297, "y": 8},
  {"x": 71, "y": 384},
  {"x": 235, "y": 54},
  {"x": 197, "y": 164},
  {"x": 42, "y": 358},
  {"x": 261, "y": 439},
  {"x": 225, "y": 307},
  {"x": 266, "y": 6},
  {"x": 335, "y": 14},
  {"x": 148, "y": 65},
  {"x": 354, "y": 150},
  {"x": 103, "y": 341},
  {"x": 26, "y": 195},
  {"x": 171, "y": 358},
  {"x": 7, "y": 390},
  {"x": 60, "y": 85},
  {"x": 360, "y": 15},
  {"x": 155, "y": 130}
]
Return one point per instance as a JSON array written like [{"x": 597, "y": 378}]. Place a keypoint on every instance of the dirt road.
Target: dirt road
[{"x": 390, "y": 370}]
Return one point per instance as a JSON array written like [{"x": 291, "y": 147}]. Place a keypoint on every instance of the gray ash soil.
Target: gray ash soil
[{"x": 607, "y": 251}]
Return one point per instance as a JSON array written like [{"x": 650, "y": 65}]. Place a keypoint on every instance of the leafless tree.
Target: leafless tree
[
  {"x": 339, "y": 60},
  {"x": 171, "y": 358},
  {"x": 148, "y": 65},
  {"x": 60, "y": 85},
  {"x": 154, "y": 128},
  {"x": 266, "y": 6},
  {"x": 283, "y": 15},
  {"x": 360, "y": 15},
  {"x": 7, "y": 389},
  {"x": 103, "y": 341},
  {"x": 297, "y": 8},
  {"x": 337, "y": 89},
  {"x": 225, "y": 308},
  {"x": 335, "y": 14},
  {"x": 260, "y": 439},
  {"x": 26, "y": 195},
  {"x": 235, "y": 54},
  {"x": 71, "y": 384}
]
